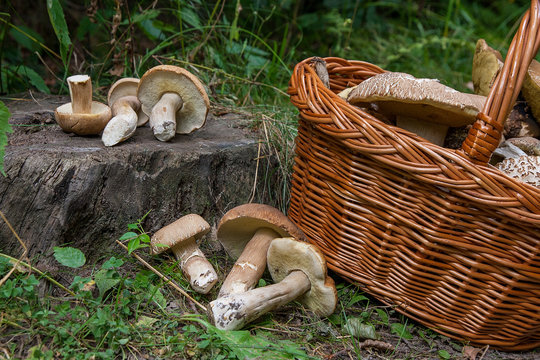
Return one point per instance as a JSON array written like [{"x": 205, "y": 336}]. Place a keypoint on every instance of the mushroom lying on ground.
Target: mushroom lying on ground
[
  {"x": 126, "y": 111},
  {"x": 82, "y": 116},
  {"x": 174, "y": 99},
  {"x": 531, "y": 88},
  {"x": 422, "y": 106},
  {"x": 246, "y": 232},
  {"x": 524, "y": 168},
  {"x": 181, "y": 237},
  {"x": 299, "y": 272}
]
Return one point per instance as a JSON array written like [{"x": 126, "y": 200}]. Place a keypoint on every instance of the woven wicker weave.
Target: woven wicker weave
[{"x": 447, "y": 239}]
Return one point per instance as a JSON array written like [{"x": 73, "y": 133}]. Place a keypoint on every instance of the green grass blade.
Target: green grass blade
[
  {"x": 5, "y": 128},
  {"x": 58, "y": 22}
]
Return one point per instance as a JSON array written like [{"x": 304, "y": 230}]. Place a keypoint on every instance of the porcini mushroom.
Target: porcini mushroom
[
  {"x": 299, "y": 272},
  {"x": 422, "y": 106},
  {"x": 174, "y": 99},
  {"x": 531, "y": 88},
  {"x": 181, "y": 237},
  {"x": 126, "y": 111},
  {"x": 82, "y": 116},
  {"x": 246, "y": 232},
  {"x": 487, "y": 63}
]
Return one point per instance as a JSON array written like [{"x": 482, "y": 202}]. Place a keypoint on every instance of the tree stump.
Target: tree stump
[{"x": 68, "y": 190}]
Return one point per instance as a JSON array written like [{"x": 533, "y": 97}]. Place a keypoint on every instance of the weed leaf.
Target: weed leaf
[
  {"x": 128, "y": 235},
  {"x": 68, "y": 256},
  {"x": 105, "y": 280},
  {"x": 58, "y": 22},
  {"x": 112, "y": 263},
  {"x": 35, "y": 79},
  {"x": 5, "y": 128},
  {"x": 357, "y": 328},
  {"x": 401, "y": 331}
]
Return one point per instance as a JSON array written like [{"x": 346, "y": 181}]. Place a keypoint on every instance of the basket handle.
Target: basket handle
[{"x": 485, "y": 134}]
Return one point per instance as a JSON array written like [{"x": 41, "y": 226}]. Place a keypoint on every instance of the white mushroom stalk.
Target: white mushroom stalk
[
  {"x": 246, "y": 232},
  {"x": 181, "y": 238},
  {"x": 299, "y": 272},
  {"x": 80, "y": 91},
  {"x": 124, "y": 122},
  {"x": 163, "y": 116}
]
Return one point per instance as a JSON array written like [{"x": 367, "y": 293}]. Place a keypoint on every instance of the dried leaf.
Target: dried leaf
[{"x": 470, "y": 352}]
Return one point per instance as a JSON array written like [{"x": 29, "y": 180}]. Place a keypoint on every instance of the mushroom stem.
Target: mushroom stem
[
  {"x": 433, "y": 132},
  {"x": 195, "y": 266},
  {"x": 250, "y": 266},
  {"x": 124, "y": 122},
  {"x": 80, "y": 91},
  {"x": 163, "y": 116},
  {"x": 233, "y": 311}
]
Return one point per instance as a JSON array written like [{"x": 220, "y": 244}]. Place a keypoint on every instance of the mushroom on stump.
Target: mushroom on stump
[
  {"x": 299, "y": 272},
  {"x": 246, "y": 232},
  {"x": 126, "y": 111},
  {"x": 181, "y": 237},
  {"x": 174, "y": 99},
  {"x": 82, "y": 116},
  {"x": 422, "y": 106}
]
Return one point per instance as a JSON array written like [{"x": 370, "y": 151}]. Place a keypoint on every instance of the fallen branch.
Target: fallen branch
[{"x": 163, "y": 277}]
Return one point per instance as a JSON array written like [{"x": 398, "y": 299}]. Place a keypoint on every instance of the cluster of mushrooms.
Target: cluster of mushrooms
[
  {"x": 170, "y": 98},
  {"x": 257, "y": 236},
  {"x": 429, "y": 109}
]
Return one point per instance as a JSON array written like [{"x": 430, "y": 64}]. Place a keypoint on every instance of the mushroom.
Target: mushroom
[
  {"x": 126, "y": 111},
  {"x": 487, "y": 63},
  {"x": 299, "y": 272},
  {"x": 423, "y": 106},
  {"x": 82, "y": 116},
  {"x": 181, "y": 237},
  {"x": 246, "y": 232},
  {"x": 531, "y": 88},
  {"x": 524, "y": 168},
  {"x": 174, "y": 99}
]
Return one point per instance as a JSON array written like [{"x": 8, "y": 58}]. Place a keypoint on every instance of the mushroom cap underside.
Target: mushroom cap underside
[
  {"x": 286, "y": 255},
  {"x": 238, "y": 225},
  {"x": 169, "y": 78},
  {"x": 83, "y": 124},
  {"x": 184, "y": 228},
  {"x": 126, "y": 87},
  {"x": 404, "y": 95}
]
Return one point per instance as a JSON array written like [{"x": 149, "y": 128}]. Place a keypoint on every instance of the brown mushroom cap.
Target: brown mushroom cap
[
  {"x": 487, "y": 63},
  {"x": 185, "y": 228},
  {"x": 83, "y": 124},
  {"x": 126, "y": 87},
  {"x": 169, "y": 78},
  {"x": 239, "y": 224},
  {"x": 286, "y": 255},
  {"x": 404, "y": 95}
]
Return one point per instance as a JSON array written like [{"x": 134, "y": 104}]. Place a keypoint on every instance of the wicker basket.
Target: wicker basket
[{"x": 445, "y": 238}]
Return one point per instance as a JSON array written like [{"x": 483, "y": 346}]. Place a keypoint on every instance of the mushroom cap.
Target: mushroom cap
[
  {"x": 239, "y": 224},
  {"x": 184, "y": 228},
  {"x": 487, "y": 63},
  {"x": 524, "y": 168},
  {"x": 286, "y": 255},
  {"x": 126, "y": 87},
  {"x": 531, "y": 88},
  {"x": 83, "y": 124},
  {"x": 169, "y": 78},
  {"x": 425, "y": 99}
]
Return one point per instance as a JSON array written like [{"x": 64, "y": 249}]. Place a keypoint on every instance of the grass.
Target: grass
[{"x": 244, "y": 53}]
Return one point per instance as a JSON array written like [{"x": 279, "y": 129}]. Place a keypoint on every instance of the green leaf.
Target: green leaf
[
  {"x": 401, "y": 331},
  {"x": 357, "y": 328},
  {"x": 58, "y": 22},
  {"x": 112, "y": 263},
  {"x": 5, "y": 128},
  {"x": 383, "y": 315},
  {"x": 106, "y": 279},
  {"x": 128, "y": 235},
  {"x": 133, "y": 245},
  {"x": 191, "y": 18},
  {"x": 34, "y": 78},
  {"x": 134, "y": 226},
  {"x": 68, "y": 256},
  {"x": 144, "y": 238},
  {"x": 27, "y": 38},
  {"x": 443, "y": 354}
]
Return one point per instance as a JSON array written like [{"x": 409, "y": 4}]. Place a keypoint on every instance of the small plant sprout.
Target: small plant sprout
[
  {"x": 82, "y": 116},
  {"x": 246, "y": 232},
  {"x": 126, "y": 111},
  {"x": 181, "y": 237},
  {"x": 174, "y": 99},
  {"x": 299, "y": 272}
]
